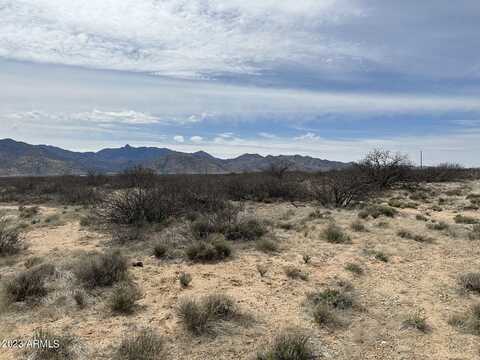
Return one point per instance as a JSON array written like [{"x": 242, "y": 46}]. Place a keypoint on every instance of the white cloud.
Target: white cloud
[
  {"x": 267, "y": 135},
  {"x": 181, "y": 38},
  {"x": 196, "y": 139},
  {"x": 179, "y": 138},
  {"x": 308, "y": 136}
]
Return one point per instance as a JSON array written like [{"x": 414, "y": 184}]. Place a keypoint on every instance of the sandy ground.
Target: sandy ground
[{"x": 417, "y": 277}]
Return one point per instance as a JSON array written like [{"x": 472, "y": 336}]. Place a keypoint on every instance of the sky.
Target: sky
[{"x": 327, "y": 78}]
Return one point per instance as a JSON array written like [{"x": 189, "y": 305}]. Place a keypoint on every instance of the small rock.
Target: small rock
[{"x": 138, "y": 264}]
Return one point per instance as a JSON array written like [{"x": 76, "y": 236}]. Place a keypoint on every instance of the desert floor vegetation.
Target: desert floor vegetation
[{"x": 300, "y": 267}]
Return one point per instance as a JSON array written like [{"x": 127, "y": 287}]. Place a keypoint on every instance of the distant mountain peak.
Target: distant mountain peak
[{"x": 22, "y": 159}]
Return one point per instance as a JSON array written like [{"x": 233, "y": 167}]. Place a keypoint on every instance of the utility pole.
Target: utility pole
[{"x": 421, "y": 159}]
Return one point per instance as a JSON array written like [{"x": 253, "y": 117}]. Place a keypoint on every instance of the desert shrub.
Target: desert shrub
[
  {"x": 335, "y": 235},
  {"x": 142, "y": 345},
  {"x": 420, "y": 217},
  {"x": 30, "y": 284},
  {"x": 475, "y": 233},
  {"x": 200, "y": 316},
  {"x": 462, "y": 219},
  {"x": 133, "y": 206},
  {"x": 33, "y": 261},
  {"x": 28, "y": 212},
  {"x": 80, "y": 299},
  {"x": 291, "y": 345},
  {"x": 247, "y": 229},
  {"x": 384, "y": 168},
  {"x": 335, "y": 298},
  {"x": 124, "y": 298},
  {"x": 185, "y": 279},
  {"x": 340, "y": 188},
  {"x": 205, "y": 226},
  {"x": 416, "y": 321},
  {"x": 99, "y": 270},
  {"x": 126, "y": 235},
  {"x": 160, "y": 250},
  {"x": 468, "y": 322},
  {"x": 438, "y": 226},
  {"x": 87, "y": 220},
  {"x": 358, "y": 226},
  {"x": 381, "y": 256},
  {"x": 375, "y": 211},
  {"x": 295, "y": 273},
  {"x": 267, "y": 245},
  {"x": 403, "y": 233},
  {"x": 306, "y": 258},
  {"x": 324, "y": 315},
  {"x": 397, "y": 203},
  {"x": 354, "y": 268},
  {"x": 206, "y": 251},
  {"x": 11, "y": 239},
  {"x": 56, "y": 347},
  {"x": 470, "y": 282},
  {"x": 262, "y": 269}
]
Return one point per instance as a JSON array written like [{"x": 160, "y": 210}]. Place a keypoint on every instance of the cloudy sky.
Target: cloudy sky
[{"x": 327, "y": 78}]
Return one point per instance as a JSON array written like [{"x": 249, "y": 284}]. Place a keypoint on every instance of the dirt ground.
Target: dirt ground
[{"x": 419, "y": 276}]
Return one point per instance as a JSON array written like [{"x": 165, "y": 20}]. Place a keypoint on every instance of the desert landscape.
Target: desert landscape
[{"x": 141, "y": 266}]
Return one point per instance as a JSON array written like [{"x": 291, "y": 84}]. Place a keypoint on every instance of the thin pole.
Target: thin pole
[{"x": 421, "y": 159}]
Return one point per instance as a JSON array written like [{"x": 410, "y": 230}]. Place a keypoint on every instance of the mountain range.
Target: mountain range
[{"x": 22, "y": 159}]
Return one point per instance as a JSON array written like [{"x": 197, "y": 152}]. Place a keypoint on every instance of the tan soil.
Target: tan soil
[{"x": 418, "y": 276}]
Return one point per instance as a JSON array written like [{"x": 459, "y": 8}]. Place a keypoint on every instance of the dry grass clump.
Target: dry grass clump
[
  {"x": 440, "y": 226},
  {"x": 416, "y": 237},
  {"x": 185, "y": 279},
  {"x": 124, "y": 297},
  {"x": 358, "y": 226},
  {"x": 209, "y": 251},
  {"x": 475, "y": 233},
  {"x": 326, "y": 306},
  {"x": 354, "y": 268},
  {"x": 99, "y": 270},
  {"x": 29, "y": 285},
  {"x": 375, "y": 211},
  {"x": 295, "y": 273},
  {"x": 26, "y": 212},
  {"x": 291, "y": 345},
  {"x": 267, "y": 244},
  {"x": 468, "y": 322},
  {"x": 339, "y": 299},
  {"x": 262, "y": 269},
  {"x": 416, "y": 321},
  {"x": 247, "y": 230},
  {"x": 335, "y": 234},
  {"x": 11, "y": 239},
  {"x": 160, "y": 250},
  {"x": 470, "y": 282},
  {"x": 54, "y": 347},
  {"x": 142, "y": 345},
  {"x": 376, "y": 254},
  {"x": 200, "y": 316},
  {"x": 462, "y": 219},
  {"x": 402, "y": 204},
  {"x": 420, "y": 217}
]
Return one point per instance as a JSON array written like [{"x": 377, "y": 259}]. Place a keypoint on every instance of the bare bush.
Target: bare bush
[
  {"x": 11, "y": 239},
  {"x": 384, "y": 168}
]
